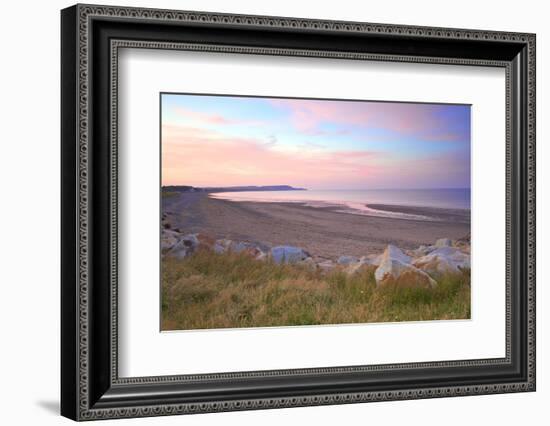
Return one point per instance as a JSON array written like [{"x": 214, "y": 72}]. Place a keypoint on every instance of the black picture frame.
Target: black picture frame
[{"x": 90, "y": 386}]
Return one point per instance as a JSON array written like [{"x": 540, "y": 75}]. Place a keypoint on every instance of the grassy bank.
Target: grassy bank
[{"x": 209, "y": 290}]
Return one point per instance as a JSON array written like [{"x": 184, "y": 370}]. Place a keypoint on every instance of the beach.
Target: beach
[{"x": 325, "y": 232}]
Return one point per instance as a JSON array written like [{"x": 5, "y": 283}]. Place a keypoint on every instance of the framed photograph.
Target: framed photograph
[{"x": 263, "y": 212}]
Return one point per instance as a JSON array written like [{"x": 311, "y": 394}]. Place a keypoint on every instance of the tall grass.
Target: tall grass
[{"x": 209, "y": 290}]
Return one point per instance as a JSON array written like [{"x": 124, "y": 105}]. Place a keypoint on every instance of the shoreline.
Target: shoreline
[
  {"x": 326, "y": 232},
  {"x": 394, "y": 211},
  {"x": 435, "y": 213}
]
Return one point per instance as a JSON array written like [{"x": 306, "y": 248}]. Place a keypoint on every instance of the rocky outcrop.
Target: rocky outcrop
[
  {"x": 168, "y": 239},
  {"x": 371, "y": 259},
  {"x": 245, "y": 247},
  {"x": 355, "y": 265},
  {"x": 359, "y": 267},
  {"x": 396, "y": 253},
  {"x": 185, "y": 245},
  {"x": 395, "y": 272},
  {"x": 422, "y": 251},
  {"x": 288, "y": 254},
  {"x": 395, "y": 269},
  {"x": 443, "y": 260},
  {"x": 416, "y": 268}
]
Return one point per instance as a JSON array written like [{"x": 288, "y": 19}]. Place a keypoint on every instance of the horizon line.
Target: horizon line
[{"x": 317, "y": 189}]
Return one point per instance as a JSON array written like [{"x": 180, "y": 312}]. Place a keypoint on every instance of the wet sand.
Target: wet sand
[{"x": 324, "y": 232}]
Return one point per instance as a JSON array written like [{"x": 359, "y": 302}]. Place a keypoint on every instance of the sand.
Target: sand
[{"x": 324, "y": 232}]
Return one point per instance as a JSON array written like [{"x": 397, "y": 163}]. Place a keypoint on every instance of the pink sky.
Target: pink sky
[
  {"x": 211, "y": 158},
  {"x": 231, "y": 141}
]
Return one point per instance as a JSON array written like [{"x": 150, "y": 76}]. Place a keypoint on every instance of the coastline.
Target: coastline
[
  {"x": 326, "y": 231},
  {"x": 435, "y": 213}
]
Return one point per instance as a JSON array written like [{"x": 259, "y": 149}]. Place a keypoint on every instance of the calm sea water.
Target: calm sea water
[{"x": 358, "y": 200}]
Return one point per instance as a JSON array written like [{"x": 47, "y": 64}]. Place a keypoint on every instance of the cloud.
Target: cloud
[
  {"x": 205, "y": 157},
  {"x": 427, "y": 121},
  {"x": 271, "y": 141}
]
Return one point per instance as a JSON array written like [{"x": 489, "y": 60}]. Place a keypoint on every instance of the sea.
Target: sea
[{"x": 358, "y": 200}]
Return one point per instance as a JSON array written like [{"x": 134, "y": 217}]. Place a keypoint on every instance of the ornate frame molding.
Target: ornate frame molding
[{"x": 83, "y": 15}]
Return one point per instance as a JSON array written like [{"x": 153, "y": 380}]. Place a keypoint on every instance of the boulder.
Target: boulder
[
  {"x": 347, "y": 260},
  {"x": 245, "y": 247},
  {"x": 394, "y": 253},
  {"x": 358, "y": 267},
  {"x": 168, "y": 239},
  {"x": 395, "y": 268},
  {"x": 185, "y": 246},
  {"x": 443, "y": 260},
  {"x": 224, "y": 245},
  {"x": 288, "y": 254},
  {"x": 371, "y": 259},
  {"x": 443, "y": 242},
  {"x": 423, "y": 250},
  {"x": 395, "y": 272}
]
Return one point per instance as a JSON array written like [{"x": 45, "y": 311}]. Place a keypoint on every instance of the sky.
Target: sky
[{"x": 313, "y": 143}]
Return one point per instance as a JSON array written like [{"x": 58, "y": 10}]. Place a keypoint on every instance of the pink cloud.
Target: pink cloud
[{"x": 208, "y": 158}]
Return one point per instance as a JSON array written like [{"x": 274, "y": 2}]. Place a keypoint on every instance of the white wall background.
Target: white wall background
[{"x": 29, "y": 217}]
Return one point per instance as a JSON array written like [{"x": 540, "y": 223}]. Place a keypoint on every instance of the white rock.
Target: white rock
[
  {"x": 371, "y": 259},
  {"x": 394, "y": 253},
  {"x": 168, "y": 239},
  {"x": 443, "y": 260},
  {"x": 185, "y": 246},
  {"x": 355, "y": 268},
  {"x": 423, "y": 250},
  {"x": 394, "y": 271},
  {"x": 288, "y": 254},
  {"x": 225, "y": 245}
]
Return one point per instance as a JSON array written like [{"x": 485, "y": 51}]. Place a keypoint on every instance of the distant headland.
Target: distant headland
[{"x": 186, "y": 188}]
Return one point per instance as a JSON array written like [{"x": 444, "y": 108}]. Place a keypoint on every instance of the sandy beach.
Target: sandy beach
[{"x": 324, "y": 232}]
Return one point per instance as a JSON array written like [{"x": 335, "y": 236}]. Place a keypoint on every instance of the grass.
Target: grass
[{"x": 209, "y": 290}]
